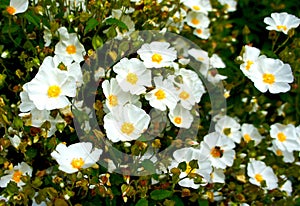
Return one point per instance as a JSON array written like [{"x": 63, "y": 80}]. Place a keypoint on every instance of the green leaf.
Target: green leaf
[
  {"x": 31, "y": 153},
  {"x": 202, "y": 202},
  {"x": 142, "y": 202},
  {"x": 31, "y": 17},
  {"x": 113, "y": 21},
  {"x": 90, "y": 25},
  {"x": 160, "y": 194}
]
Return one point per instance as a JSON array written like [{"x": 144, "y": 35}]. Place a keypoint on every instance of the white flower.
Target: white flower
[
  {"x": 259, "y": 172},
  {"x": 47, "y": 37},
  {"x": 282, "y": 22},
  {"x": 229, "y": 4},
  {"x": 187, "y": 155},
  {"x": 217, "y": 176},
  {"x": 157, "y": 54},
  {"x": 202, "y": 32},
  {"x": 196, "y": 20},
  {"x": 272, "y": 75},
  {"x": 287, "y": 187},
  {"x": 201, "y": 56},
  {"x": 132, "y": 75},
  {"x": 17, "y": 6},
  {"x": 69, "y": 46},
  {"x": 202, "y": 6},
  {"x": 285, "y": 137},
  {"x": 126, "y": 123},
  {"x": 115, "y": 96},
  {"x": 251, "y": 60},
  {"x": 20, "y": 170},
  {"x": 190, "y": 86},
  {"x": 216, "y": 62},
  {"x": 218, "y": 149},
  {"x": 26, "y": 104},
  {"x": 229, "y": 127},
  {"x": 249, "y": 132},
  {"x": 15, "y": 141},
  {"x": 181, "y": 117},
  {"x": 164, "y": 94},
  {"x": 71, "y": 68},
  {"x": 288, "y": 157},
  {"x": 50, "y": 87},
  {"x": 77, "y": 156}
]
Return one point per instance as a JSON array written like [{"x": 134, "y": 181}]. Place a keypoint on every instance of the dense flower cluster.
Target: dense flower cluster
[{"x": 160, "y": 92}]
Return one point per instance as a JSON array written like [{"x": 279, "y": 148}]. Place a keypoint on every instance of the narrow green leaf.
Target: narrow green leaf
[{"x": 31, "y": 17}]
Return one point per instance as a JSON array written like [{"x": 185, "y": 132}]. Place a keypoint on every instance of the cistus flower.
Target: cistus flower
[
  {"x": 229, "y": 127},
  {"x": 163, "y": 96},
  {"x": 187, "y": 155},
  {"x": 17, "y": 6},
  {"x": 272, "y": 75},
  {"x": 262, "y": 175},
  {"x": 157, "y": 54},
  {"x": 249, "y": 132},
  {"x": 181, "y": 117},
  {"x": 230, "y": 5},
  {"x": 77, "y": 156},
  {"x": 115, "y": 96},
  {"x": 202, "y": 6},
  {"x": 190, "y": 87},
  {"x": 281, "y": 22},
  {"x": 251, "y": 60},
  {"x": 219, "y": 150},
  {"x": 15, "y": 175},
  {"x": 50, "y": 87},
  {"x": 69, "y": 46},
  {"x": 132, "y": 75},
  {"x": 285, "y": 137},
  {"x": 196, "y": 19},
  {"x": 126, "y": 123}
]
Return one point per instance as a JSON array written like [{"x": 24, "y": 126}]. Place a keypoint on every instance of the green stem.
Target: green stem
[{"x": 281, "y": 45}]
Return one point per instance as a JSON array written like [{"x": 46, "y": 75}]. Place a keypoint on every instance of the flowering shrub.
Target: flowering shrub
[{"x": 141, "y": 102}]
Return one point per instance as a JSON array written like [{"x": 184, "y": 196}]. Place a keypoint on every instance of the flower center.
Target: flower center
[
  {"x": 160, "y": 94},
  {"x": 249, "y": 64},
  {"x": 157, "y": 58},
  {"x": 184, "y": 95},
  {"x": 259, "y": 178},
  {"x": 216, "y": 152},
  {"x": 71, "y": 49},
  {"x": 62, "y": 67},
  {"x": 281, "y": 137},
  {"x": 11, "y": 10},
  {"x": 278, "y": 152},
  {"x": 113, "y": 100},
  {"x": 17, "y": 176},
  {"x": 200, "y": 59},
  {"x": 132, "y": 78},
  {"x": 227, "y": 131},
  {"x": 77, "y": 163},
  {"x": 268, "y": 78},
  {"x": 127, "y": 128},
  {"x": 197, "y": 8},
  {"x": 54, "y": 91},
  {"x": 247, "y": 138},
  {"x": 281, "y": 27},
  {"x": 199, "y": 31},
  {"x": 195, "y": 21},
  {"x": 189, "y": 169},
  {"x": 178, "y": 120}
]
